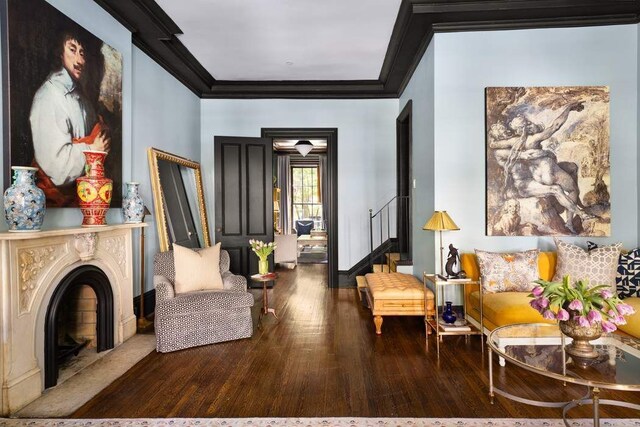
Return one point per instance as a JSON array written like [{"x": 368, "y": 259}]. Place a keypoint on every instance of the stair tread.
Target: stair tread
[
  {"x": 361, "y": 281},
  {"x": 380, "y": 268},
  {"x": 393, "y": 256}
]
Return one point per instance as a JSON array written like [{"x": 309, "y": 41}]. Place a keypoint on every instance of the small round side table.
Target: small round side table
[{"x": 264, "y": 279}]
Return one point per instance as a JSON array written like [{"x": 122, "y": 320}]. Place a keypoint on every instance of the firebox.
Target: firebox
[{"x": 80, "y": 313}]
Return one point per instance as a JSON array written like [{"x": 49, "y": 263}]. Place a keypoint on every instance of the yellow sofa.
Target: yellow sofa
[{"x": 505, "y": 308}]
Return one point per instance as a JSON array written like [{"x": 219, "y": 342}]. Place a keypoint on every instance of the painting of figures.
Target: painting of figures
[
  {"x": 548, "y": 161},
  {"x": 62, "y": 90}
]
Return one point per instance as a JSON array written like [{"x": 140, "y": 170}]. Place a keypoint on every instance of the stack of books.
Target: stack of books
[{"x": 458, "y": 325}]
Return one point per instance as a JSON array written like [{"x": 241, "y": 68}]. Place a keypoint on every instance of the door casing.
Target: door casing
[{"x": 331, "y": 135}]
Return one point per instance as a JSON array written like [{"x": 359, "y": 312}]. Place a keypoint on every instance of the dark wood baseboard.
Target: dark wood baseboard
[{"x": 149, "y": 303}]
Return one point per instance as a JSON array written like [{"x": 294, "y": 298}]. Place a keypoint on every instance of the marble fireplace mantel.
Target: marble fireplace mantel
[{"x": 31, "y": 267}]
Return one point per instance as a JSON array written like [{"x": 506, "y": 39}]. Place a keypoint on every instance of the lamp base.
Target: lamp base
[{"x": 143, "y": 324}]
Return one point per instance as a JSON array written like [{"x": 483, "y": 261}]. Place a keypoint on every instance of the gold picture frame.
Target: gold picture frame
[{"x": 154, "y": 155}]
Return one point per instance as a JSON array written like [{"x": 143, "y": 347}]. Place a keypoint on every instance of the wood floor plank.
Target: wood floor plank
[{"x": 323, "y": 358}]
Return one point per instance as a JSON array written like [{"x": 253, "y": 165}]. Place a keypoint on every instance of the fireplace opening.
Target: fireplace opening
[
  {"x": 79, "y": 315},
  {"x": 76, "y": 320}
]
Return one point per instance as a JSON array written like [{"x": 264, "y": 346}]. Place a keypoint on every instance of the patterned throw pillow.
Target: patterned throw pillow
[
  {"x": 598, "y": 265},
  {"x": 628, "y": 279},
  {"x": 508, "y": 272}
]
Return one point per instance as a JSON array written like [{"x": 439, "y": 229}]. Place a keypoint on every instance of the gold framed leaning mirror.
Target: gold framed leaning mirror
[{"x": 178, "y": 200}]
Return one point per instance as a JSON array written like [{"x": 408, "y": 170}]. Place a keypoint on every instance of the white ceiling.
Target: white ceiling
[{"x": 286, "y": 39}]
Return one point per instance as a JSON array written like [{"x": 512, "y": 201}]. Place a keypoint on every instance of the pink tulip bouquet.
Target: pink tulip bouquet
[{"x": 586, "y": 305}]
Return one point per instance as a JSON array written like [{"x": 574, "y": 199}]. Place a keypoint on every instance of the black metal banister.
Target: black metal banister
[{"x": 385, "y": 208}]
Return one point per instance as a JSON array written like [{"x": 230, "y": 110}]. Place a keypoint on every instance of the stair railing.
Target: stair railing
[{"x": 379, "y": 216}]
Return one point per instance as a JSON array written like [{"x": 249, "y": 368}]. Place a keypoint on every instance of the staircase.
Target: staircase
[{"x": 385, "y": 242}]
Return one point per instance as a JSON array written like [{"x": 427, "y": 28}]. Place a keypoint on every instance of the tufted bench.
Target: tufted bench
[{"x": 397, "y": 294}]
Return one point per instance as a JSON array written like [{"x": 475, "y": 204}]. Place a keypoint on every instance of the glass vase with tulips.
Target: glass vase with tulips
[{"x": 263, "y": 250}]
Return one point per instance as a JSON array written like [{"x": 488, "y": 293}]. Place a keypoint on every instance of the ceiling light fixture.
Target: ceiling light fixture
[{"x": 304, "y": 147}]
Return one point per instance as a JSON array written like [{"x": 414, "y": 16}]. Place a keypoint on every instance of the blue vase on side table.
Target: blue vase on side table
[{"x": 447, "y": 315}]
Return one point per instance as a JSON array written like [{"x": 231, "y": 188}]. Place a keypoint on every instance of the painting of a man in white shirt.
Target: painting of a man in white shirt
[
  {"x": 63, "y": 96},
  {"x": 64, "y": 124}
]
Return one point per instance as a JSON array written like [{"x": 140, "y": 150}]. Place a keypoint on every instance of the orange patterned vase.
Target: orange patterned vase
[{"x": 94, "y": 190}]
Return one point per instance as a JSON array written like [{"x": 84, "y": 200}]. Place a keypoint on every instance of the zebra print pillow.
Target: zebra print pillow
[
  {"x": 628, "y": 273},
  {"x": 628, "y": 278}
]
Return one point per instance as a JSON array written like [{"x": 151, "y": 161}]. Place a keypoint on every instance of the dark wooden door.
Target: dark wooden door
[
  {"x": 244, "y": 198},
  {"x": 180, "y": 223}
]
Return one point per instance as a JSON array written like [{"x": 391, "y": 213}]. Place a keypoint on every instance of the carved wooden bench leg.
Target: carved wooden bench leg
[{"x": 378, "y": 322}]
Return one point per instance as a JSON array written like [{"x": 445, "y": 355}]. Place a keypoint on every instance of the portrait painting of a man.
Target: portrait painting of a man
[
  {"x": 63, "y": 92},
  {"x": 548, "y": 161}
]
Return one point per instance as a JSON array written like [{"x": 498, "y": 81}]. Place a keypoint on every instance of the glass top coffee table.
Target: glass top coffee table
[{"x": 539, "y": 348}]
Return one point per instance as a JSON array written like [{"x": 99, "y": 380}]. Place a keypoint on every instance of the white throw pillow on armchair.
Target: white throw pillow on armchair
[{"x": 197, "y": 270}]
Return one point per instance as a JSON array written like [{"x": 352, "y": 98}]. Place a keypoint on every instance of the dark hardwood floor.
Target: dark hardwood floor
[{"x": 323, "y": 358}]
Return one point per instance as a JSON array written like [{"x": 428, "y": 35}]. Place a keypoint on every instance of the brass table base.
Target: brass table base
[{"x": 590, "y": 398}]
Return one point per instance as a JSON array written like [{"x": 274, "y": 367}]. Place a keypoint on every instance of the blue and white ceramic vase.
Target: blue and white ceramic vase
[
  {"x": 132, "y": 205},
  {"x": 24, "y": 203},
  {"x": 447, "y": 315}
]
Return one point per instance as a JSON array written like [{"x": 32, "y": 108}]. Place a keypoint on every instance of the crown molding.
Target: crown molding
[{"x": 154, "y": 33}]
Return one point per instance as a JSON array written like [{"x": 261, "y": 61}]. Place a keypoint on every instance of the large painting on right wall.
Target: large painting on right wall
[{"x": 548, "y": 171}]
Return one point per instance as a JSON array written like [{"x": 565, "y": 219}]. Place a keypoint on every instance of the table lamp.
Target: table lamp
[{"x": 440, "y": 221}]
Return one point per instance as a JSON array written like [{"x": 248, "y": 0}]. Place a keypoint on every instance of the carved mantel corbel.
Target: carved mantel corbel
[{"x": 85, "y": 245}]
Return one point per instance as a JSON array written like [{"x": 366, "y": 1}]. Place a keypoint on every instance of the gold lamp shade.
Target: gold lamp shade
[{"x": 440, "y": 220}]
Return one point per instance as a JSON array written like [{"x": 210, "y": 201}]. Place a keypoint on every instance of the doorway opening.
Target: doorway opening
[
  {"x": 404, "y": 179},
  {"x": 305, "y": 197}
]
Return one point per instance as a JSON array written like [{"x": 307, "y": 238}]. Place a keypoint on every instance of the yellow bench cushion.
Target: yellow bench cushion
[
  {"x": 507, "y": 308},
  {"x": 633, "y": 322},
  {"x": 394, "y": 286}
]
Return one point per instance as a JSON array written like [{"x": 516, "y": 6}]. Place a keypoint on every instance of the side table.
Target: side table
[
  {"x": 264, "y": 279},
  {"x": 434, "y": 323}
]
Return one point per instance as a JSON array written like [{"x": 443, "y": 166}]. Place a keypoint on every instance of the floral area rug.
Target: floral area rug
[{"x": 314, "y": 422}]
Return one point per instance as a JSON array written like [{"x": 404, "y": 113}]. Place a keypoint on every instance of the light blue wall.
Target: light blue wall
[
  {"x": 366, "y": 152},
  {"x": 157, "y": 111},
  {"x": 420, "y": 90},
  {"x": 466, "y": 63},
  {"x": 166, "y": 115}
]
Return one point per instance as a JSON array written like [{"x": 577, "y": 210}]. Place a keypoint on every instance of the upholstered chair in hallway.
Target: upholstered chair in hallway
[
  {"x": 304, "y": 226},
  {"x": 201, "y": 317}
]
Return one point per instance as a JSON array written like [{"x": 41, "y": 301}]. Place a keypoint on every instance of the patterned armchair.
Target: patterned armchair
[{"x": 203, "y": 317}]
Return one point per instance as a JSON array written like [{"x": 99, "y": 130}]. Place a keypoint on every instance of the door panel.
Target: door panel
[
  {"x": 244, "y": 198},
  {"x": 256, "y": 158},
  {"x": 232, "y": 183}
]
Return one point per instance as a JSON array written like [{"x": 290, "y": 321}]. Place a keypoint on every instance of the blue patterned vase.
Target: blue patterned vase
[
  {"x": 447, "y": 314},
  {"x": 132, "y": 205},
  {"x": 24, "y": 203}
]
